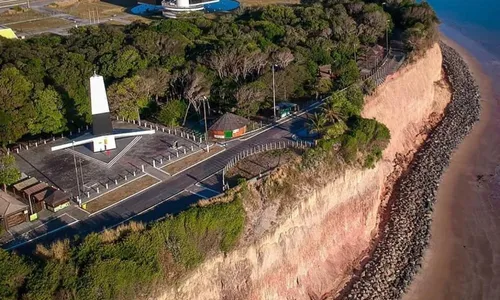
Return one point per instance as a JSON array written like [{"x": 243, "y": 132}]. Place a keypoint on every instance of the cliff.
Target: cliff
[{"x": 313, "y": 249}]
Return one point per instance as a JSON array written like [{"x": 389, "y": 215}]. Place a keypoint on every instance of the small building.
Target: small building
[
  {"x": 325, "y": 71},
  {"x": 23, "y": 184},
  {"x": 36, "y": 206},
  {"x": 12, "y": 211},
  {"x": 56, "y": 200},
  {"x": 284, "y": 109},
  {"x": 228, "y": 126},
  {"x": 7, "y": 32}
]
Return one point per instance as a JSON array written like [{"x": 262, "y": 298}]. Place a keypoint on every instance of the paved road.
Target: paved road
[{"x": 168, "y": 197}]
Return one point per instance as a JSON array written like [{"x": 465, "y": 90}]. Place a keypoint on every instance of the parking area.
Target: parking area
[{"x": 79, "y": 171}]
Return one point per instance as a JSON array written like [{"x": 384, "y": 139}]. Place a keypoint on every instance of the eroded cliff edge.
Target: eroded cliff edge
[{"x": 315, "y": 247}]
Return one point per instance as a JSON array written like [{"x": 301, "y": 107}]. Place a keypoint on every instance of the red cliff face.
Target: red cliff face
[{"x": 314, "y": 248}]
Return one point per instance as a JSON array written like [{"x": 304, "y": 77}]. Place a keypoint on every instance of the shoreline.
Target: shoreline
[
  {"x": 396, "y": 257},
  {"x": 460, "y": 260}
]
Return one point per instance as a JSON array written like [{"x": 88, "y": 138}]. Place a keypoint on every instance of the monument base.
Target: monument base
[{"x": 103, "y": 143}]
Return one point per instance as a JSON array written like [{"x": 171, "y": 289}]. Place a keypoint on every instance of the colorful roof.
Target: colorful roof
[
  {"x": 7, "y": 33},
  {"x": 9, "y": 205},
  {"x": 229, "y": 121}
]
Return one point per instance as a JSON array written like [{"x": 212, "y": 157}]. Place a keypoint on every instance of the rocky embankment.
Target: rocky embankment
[{"x": 399, "y": 252}]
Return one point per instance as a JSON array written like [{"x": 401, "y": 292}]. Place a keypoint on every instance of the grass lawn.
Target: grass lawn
[
  {"x": 120, "y": 193},
  {"x": 190, "y": 160},
  {"x": 11, "y": 16},
  {"x": 39, "y": 25},
  {"x": 81, "y": 9}
]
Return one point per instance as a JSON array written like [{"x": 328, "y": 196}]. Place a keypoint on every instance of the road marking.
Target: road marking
[
  {"x": 159, "y": 169},
  {"x": 82, "y": 209},
  {"x": 196, "y": 194},
  {"x": 199, "y": 184},
  {"x": 40, "y": 236}
]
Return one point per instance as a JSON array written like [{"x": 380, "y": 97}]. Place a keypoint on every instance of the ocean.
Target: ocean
[
  {"x": 462, "y": 260},
  {"x": 472, "y": 24}
]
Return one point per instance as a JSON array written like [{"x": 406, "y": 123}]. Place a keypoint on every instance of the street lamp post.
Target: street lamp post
[
  {"x": 387, "y": 36},
  {"x": 274, "y": 93},
  {"x": 205, "y": 117},
  {"x": 386, "y": 32}
]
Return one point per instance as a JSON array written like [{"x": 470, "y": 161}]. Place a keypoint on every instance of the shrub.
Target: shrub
[
  {"x": 172, "y": 112},
  {"x": 365, "y": 141},
  {"x": 13, "y": 273}
]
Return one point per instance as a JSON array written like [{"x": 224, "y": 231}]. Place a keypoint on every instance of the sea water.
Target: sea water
[{"x": 478, "y": 20}]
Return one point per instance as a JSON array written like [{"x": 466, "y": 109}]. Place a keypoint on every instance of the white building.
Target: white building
[{"x": 172, "y": 8}]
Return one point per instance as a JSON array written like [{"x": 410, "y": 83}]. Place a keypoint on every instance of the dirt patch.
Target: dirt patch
[
  {"x": 11, "y": 16},
  {"x": 86, "y": 9},
  {"x": 254, "y": 165},
  {"x": 39, "y": 25},
  {"x": 190, "y": 160},
  {"x": 120, "y": 193}
]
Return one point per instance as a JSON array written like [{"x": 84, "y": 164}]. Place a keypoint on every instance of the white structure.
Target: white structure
[
  {"x": 174, "y": 7},
  {"x": 103, "y": 136}
]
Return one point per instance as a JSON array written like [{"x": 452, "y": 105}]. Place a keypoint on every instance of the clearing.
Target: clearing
[
  {"x": 24, "y": 20},
  {"x": 254, "y": 165},
  {"x": 120, "y": 193},
  {"x": 190, "y": 160},
  {"x": 86, "y": 9}
]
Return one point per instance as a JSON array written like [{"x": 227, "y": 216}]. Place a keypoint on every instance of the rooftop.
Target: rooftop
[
  {"x": 21, "y": 185},
  {"x": 56, "y": 197},
  {"x": 229, "y": 121},
  {"x": 9, "y": 204}
]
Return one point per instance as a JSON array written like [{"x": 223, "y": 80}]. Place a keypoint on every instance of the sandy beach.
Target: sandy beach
[{"x": 463, "y": 258}]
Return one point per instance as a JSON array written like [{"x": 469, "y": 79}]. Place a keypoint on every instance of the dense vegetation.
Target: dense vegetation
[
  {"x": 126, "y": 262},
  {"x": 160, "y": 71},
  {"x": 44, "y": 80}
]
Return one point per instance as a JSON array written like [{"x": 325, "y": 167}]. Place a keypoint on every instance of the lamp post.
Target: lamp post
[
  {"x": 205, "y": 117},
  {"x": 274, "y": 92},
  {"x": 387, "y": 36},
  {"x": 386, "y": 31}
]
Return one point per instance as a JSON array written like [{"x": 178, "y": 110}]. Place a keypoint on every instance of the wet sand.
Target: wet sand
[{"x": 463, "y": 258}]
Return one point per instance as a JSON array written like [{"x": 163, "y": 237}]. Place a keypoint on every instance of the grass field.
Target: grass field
[
  {"x": 98, "y": 10},
  {"x": 120, "y": 193},
  {"x": 39, "y": 25},
  {"x": 192, "y": 159},
  {"x": 12, "y": 16}
]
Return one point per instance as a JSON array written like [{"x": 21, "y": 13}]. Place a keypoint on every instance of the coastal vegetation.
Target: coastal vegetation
[
  {"x": 44, "y": 79},
  {"x": 127, "y": 261},
  {"x": 161, "y": 71}
]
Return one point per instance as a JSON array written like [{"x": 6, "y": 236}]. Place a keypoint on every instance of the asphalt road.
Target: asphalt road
[{"x": 168, "y": 197}]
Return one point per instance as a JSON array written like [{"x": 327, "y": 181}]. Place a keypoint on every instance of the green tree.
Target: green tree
[
  {"x": 349, "y": 74},
  {"x": 15, "y": 109},
  {"x": 126, "y": 99},
  {"x": 13, "y": 274},
  {"x": 50, "y": 112},
  {"x": 172, "y": 112},
  {"x": 8, "y": 170},
  {"x": 317, "y": 123}
]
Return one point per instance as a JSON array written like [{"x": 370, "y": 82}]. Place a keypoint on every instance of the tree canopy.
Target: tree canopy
[{"x": 44, "y": 79}]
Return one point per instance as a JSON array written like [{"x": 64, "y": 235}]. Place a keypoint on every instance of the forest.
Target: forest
[{"x": 159, "y": 71}]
